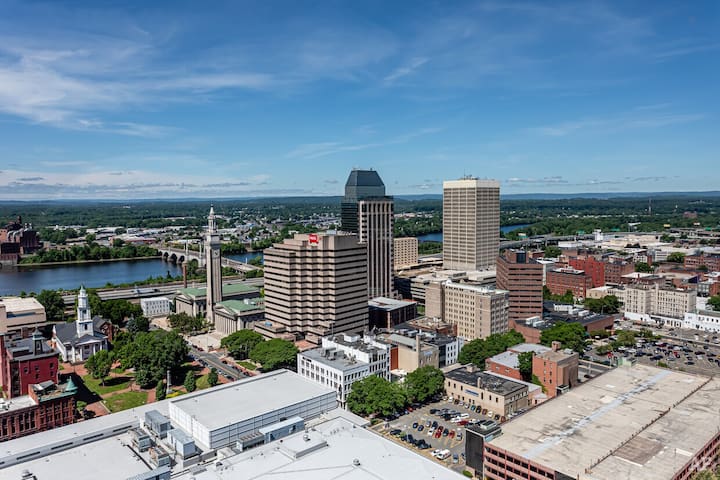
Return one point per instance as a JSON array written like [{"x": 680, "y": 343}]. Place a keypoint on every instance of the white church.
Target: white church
[{"x": 79, "y": 340}]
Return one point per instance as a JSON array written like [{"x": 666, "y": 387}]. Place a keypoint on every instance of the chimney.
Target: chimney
[
  {"x": 470, "y": 368},
  {"x": 555, "y": 346}
]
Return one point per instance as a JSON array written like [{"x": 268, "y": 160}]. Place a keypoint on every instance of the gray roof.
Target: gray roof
[
  {"x": 67, "y": 333},
  {"x": 336, "y": 359},
  {"x": 492, "y": 383},
  {"x": 25, "y": 348},
  {"x": 634, "y": 422}
]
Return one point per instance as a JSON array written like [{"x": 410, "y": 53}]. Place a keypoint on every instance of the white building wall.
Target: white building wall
[
  {"x": 155, "y": 306},
  {"x": 704, "y": 320}
]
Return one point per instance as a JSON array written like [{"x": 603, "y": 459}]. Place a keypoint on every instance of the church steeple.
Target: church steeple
[{"x": 84, "y": 323}]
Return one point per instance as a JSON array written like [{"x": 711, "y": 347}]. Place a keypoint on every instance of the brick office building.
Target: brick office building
[
  {"x": 561, "y": 280},
  {"x": 25, "y": 362},
  {"x": 615, "y": 268},
  {"x": 522, "y": 277},
  {"x": 593, "y": 268},
  {"x": 34, "y": 401}
]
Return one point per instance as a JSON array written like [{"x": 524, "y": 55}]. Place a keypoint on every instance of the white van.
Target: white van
[{"x": 443, "y": 455}]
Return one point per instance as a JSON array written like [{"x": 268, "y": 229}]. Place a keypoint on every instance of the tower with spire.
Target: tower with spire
[
  {"x": 213, "y": 266},
  {"x": 84, "y": 322}
]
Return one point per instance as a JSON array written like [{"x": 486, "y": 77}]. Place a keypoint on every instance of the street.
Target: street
[{"x": 211, "y": 359}]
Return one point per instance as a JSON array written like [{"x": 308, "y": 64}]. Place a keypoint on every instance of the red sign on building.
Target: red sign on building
[{"x": 313, "y": 238}]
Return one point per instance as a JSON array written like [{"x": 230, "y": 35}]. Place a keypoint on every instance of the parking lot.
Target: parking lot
[
  {"x": 454, "y": 440},
  {"x": 686, "y": 354}
]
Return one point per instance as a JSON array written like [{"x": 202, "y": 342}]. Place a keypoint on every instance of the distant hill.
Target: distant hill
[
  {"x": 565, "y": 196},
  {"x": 402, "y": 198}
]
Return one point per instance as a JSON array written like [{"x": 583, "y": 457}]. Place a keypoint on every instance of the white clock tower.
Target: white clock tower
[{"x": 213, "y": 266}]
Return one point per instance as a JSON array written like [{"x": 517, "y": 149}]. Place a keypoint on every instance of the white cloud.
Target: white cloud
[
  {"x": 21, "y": 184},
  {"x": 316, "y": 150},
  {"x": 619, "y": 122},
  {"x": 405, "y": 70}
]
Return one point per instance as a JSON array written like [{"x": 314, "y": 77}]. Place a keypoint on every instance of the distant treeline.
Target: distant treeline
[
  {"x": 611, "y": 213},
  {"x": 91, "y": 251}
]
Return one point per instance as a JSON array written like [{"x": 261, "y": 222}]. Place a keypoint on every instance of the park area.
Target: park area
[{"x": 119, "y": 391}]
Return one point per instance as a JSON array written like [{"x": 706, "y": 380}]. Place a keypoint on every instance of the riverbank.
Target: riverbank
[{"x": 85, "y": 262}]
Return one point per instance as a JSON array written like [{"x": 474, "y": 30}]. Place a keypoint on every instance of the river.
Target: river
[
  {"x": 92, "y": 275},
  {"x": 438, "y": 236}
]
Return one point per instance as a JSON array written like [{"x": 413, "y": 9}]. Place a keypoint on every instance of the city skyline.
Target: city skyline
[{"x": 176, "y": 101}]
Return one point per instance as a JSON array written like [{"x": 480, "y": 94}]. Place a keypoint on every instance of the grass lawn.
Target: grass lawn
[
  {"x": 125, "y": 400},
  {"x": 118, "y": 370},
  {"x": 111, "y": 384},
  {"x": 248, "y": 365}
]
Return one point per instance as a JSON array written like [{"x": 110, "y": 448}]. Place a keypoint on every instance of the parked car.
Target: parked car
[
  {"x": 415, "y": 425},
  {"x": 451, "y": 434},
  {"x": 455, "y": 458},
  {"x": 420, "y": 428},
  {"x": 395, "y": 431}
]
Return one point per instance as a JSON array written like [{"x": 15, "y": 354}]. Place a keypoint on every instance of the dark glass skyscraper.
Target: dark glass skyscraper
[{"x": 368, "y": 212}]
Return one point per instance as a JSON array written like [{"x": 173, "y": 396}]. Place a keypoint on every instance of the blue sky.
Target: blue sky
[{"x": 212, "y": 99}]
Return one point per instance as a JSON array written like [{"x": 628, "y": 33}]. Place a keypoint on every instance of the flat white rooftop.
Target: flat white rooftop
[
  {"x": 643, "y": 421},
  {"x": 107, "y": 459},
  {"x": 249, "y": 398},
  {"x": 336, "y": 449},
  {"x": 21, "y": 304}
]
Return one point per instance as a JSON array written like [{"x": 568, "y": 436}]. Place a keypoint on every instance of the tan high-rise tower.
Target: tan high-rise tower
[
  {"x": 471, "y": 224},
  {"x": 316, "y": 285},
  {"x": 213, "y": 265}
]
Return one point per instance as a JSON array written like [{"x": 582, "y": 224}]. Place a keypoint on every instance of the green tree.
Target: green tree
[
  {"x": 569, "y": 334},
  {"x": 429, "y": 248},
  {"x": 568, "y": 297},
  {"x": 152, "y": 354},
  {"x": 478, "y": 350},
  {"x": 138, "y": 324},
  {"x": 184, "y": 323},
  {"x": 117, "y": 311},
  {"x": 274, "y": 354},
  {"x": 424, "y": 383},
  {"x": 609, "y": 304},
  {"x": 53, "y": 303},
  {"x": 525, "y": 361},
  {"x": 160, "y": 390},
  {"x": 90, "y": 238},
  {"x": 99, "y": 364},
  {"x": 240, "y": 343},
  {"x": 643, "y": 267},
  {"x": 714, "y": 302},
  {"x": 625, "y": 338},
  {"x": 551, "y": 251},
  {"x": 676, "y": 257},
  {"x": 706, "y": 475},
  {"x": 374, "y": 395},
  {"x": 213, "y": 377},
  {"x": 190, "y": 382}
]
